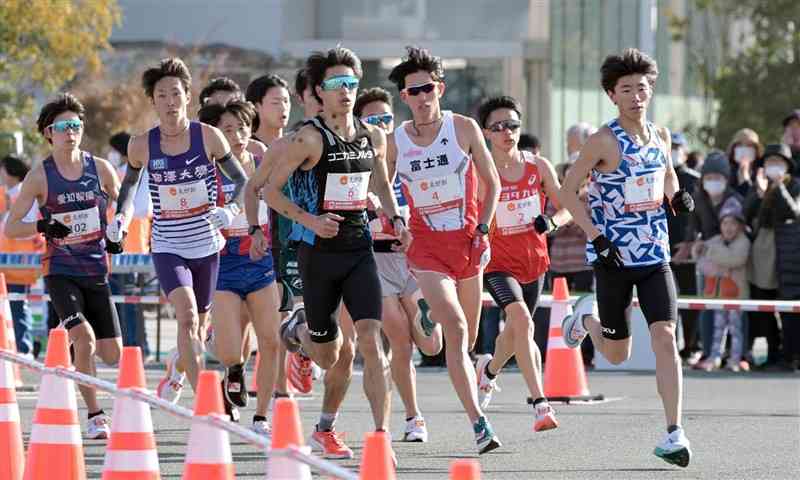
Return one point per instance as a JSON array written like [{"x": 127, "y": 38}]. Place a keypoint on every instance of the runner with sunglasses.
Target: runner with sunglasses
[
  {"x": 72, "y": 189},
  {"x": 441, "y": 158},
  {"x": 519, "y": 261},
  {"x": 401, "y": 320},
  {"x": 331, "y": 162}
]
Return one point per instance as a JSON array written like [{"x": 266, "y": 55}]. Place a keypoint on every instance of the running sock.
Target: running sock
[
  {"x": 281, "y": 395},
  {"x": 326, "y": 421},
  {"x": 538, "y": 401},
  {"x": 259, "y": 418},
  {"x": 489, "y": 374},
  {"x": 99, "y": 412},
  {"x": 672, "y": 428},
  {"x": 408, "y": 419}
]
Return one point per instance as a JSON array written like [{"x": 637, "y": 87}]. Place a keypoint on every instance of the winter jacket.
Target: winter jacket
[
  {"x": 705, "y": 217},
  {"x": 724, "y": 267}
]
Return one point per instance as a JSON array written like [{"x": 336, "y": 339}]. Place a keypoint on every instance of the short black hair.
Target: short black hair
[
  {"x": 300, "y": 82},
  {"x": 16, "y": 166},
  {"x": 529, "y": 141},
  {"x": 219, "y": 84},
  {"x": 319, "y": 62},
  {"x": 64, "y": 102},
  {"x": 496, "y": 103},
  {"x": 374, "y": 94},
  {"x": 243, "y": 110},
  {"x": 119, "y": 142},
  {"x": 169, "y": 67},
  {"x": 417, "y": 59},
  {"x": 261, "y": 85},
  {"x": 631, "y": 62}
]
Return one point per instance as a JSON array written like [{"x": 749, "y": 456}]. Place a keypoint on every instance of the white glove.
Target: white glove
[
  {"x": 223, "y": 217},
  {"x": 115, "y": 230}
]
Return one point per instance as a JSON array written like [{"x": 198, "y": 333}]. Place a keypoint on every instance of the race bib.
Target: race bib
[
  {"x": 437, "y": 194},
  {"x": 84, "y": 226},
  {"x": 644, "y": 192},
  {"x": 517, "y": 216},
  {"x": 346, "y": 191},
  {"x": 183, "y": 200},
  {"x": 240, "y": 226}
]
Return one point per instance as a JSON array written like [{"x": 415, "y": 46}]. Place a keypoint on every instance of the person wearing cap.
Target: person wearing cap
[
  {"x": 743, "y": 151},
  {"x": 773, "y": 210},
  {"x": 791, "y": 133}
]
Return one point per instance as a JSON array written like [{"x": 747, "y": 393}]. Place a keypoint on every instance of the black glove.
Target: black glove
[
  {"x": 607, "y": 253},
  {"x": 682, "y": 202},
  {"x": 52, "y": 228},
  {"x": 113, "y": 248},
  {"x": 544, "y": 224}
]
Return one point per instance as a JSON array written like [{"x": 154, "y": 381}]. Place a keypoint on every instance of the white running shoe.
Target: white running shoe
[
  {"x": 316, "y": 371},
  {"x": 675, "y": 448},
  {"x": 98, "y": 427},
  {"x": 486, "y": 387},
  {"x": 262, "y": 427},
  {"x": 416, "y": 430},
  {"x": 545, "y": 418},
  {"x": 572, "y": 328},
  {"x": 171, "y": 386}
]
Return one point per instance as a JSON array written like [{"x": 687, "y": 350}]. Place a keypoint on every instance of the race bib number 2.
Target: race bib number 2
[
  {"x": 84, "y": 225},
  {"x": 346, "y": 191},
  {"x": 517, "y": 216},
  {"x": 644, "y": 192},
  {"x": 183, "y": 200}
]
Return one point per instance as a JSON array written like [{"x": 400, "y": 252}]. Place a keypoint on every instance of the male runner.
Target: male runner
[
  {"x": 181, "y": 159},
  {"x": 219, "y": 91},
  {"x": 440, "y": 157},
  {"x": 331, "y": 160},
  {"x": 401, "y": 320},
  {"x": 631, "y": 175},
  {"x": 72, "y": 189},
  {"x": 519, "y": 261}
]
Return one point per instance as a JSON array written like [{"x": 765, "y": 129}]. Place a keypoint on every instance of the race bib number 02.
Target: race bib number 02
[
  {"x": 517, "y": 216},
  {"x": 183, "y": 200},
  {"x": 84, "y": 226},
  {"x": 437, "y": 194},
  {"x": 644, "y": 192},
  {"x": 239, "y": 227},
  {"x": 346, "y": 191}
]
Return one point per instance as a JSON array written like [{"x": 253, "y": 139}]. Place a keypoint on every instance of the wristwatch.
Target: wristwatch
[
  {"x": 483, "y": 228},
  {"x": 253, "y": 229}
]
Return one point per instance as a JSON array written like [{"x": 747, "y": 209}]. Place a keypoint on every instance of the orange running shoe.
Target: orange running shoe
[
  {"x": 299, "y": 372},
  {"x": 331, "y": 444}
]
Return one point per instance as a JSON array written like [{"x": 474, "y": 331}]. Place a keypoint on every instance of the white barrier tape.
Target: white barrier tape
[{"x": 248, "y": 435}]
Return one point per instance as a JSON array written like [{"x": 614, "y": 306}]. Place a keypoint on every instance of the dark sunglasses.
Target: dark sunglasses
[
  {"x": 510, "y": 125},
  {"x": 382, "y": 118},
  {"x": 417, "y": 89}
]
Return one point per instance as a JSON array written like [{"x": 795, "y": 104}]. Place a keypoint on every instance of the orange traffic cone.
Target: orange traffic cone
[
  {"x": 7, "y": 321},
  {"x": 466, "y": 469},
  {"x": 12, "y": 455},
  {"x": 131, "y": 452},
  {"x": 377, "y": 463},
  {"x": 55, "y": 442},
  {"x": 287, "y": 432},
  {"x": 208, "y": 456},
  {"x": 564, "y": 377}
]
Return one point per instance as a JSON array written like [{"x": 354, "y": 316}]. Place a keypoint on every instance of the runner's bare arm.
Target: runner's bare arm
[
  {"x": 391, "y": 157},
  {"x": 485, "y": 168},
  {"x": 259, "y": 179},
  {"x": 108, "y": 178},
  {"x": 591, "y": 156},
  {"x": 551, "y": 188},
  {"x": 221, "y": 154},
  {"x": 304, "y": 145},
  {"x": 137, "y": 159},
  {"x": 671, "y": 184},
  {"x": 34, "y": 188},
  {"x": 381, "y": 184}
]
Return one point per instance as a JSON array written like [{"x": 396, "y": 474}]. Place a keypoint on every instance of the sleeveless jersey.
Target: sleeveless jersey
[
  {"x": 627, "y": 204},
  {"x": 338, "y": 183},
  {"x": 237, "y": 238},
  {"x": 81, "y": 205},
  {"x": 183, "y": 188},
  {"x": 439, "y": 182},
  {"x": 516, "y": 246}
]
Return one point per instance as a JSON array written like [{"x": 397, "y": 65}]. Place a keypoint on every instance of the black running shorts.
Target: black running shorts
[
  {"x": 79, "y": 299},
  {"x": 505, "y": 290}
]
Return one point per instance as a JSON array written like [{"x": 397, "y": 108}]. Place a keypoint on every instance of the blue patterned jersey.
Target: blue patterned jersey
[{"x": 627, "y": 205}]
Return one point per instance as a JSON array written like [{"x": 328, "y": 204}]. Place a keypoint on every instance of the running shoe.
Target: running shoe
[
  {"x": 416, "y": 430},
  {"x": 486, "y": 387},
  {"x": 262, "y": 427},
  {"x": 171, "y": 386},
  {"x": 233, "y": 386},
  {"x": 299, "y": 372},
  {"x": 98, "y": 427},
  {"x": 675, "y": 449},
  {"x": 289, "y": 326},
  {"x": 424, "y": 319},
  {"x": 572, "y": 328},
  {"x": 331, "y": 444},
  {"x": 316, "y": 371},
  {"x": 545, "y": 418},
  {"x": 484, "y": 436}
]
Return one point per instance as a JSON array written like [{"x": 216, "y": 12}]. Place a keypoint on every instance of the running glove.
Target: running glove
[
  {"x": 607, "y": 253},
  {"x": 682, "y": 202},
  {"x": 52, "y": 228},
  {"x": 544, "y": 224},
  {"x": 222, "y": 217}
]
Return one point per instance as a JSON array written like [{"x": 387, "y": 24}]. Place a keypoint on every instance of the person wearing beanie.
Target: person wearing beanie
[{"x": 743, "y": 151}]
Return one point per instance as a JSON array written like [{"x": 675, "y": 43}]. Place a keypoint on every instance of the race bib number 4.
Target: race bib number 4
[
  {"x": 346, "y": 191},
  {"x": 240, "y": 227},
  {"x": 437, "y": 194},
  {"x": 644, "y": 192},
  {"x": 84, "y": 226},
  {"x": 183, "y": 200},
  {"x": 517, "y": 216}
]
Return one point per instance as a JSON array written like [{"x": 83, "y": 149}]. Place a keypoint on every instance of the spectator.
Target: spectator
[
  {"x": 743, "y": 151},
  {"x": 576, "y": 137},
  {"x": 791, "y": 135},
  {"x": 694, "y": 160},
  {"x": 723, "y": 263},
  {"x": 530, "y": 142}
]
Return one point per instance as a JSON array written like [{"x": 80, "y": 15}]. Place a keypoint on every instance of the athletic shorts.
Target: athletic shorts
[
  {"x": 505, "y": 290},
  {"x": 396, "y": 278},
  {"x": 335, "y": 276},
  {"x": 450, "y": 255},
  {"x": 289, "y": 271},
  {"x": 79, "y": 299},
  {"x": 199, "y": 274},
  {"x": 242, "y": 276},
  {"x": 655, "y": 288}
]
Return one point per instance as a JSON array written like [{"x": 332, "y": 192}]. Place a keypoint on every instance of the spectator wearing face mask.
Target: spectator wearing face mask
[
  {"x": 743, "y": 151},
  {"x": 791, "y": 135}
]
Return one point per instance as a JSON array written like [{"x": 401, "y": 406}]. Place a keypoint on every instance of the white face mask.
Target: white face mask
[
  {"x": 744, "y": 152},
  {"x": 775, "y": 172},
  {"x": 713, "y": 187},
  {"x": 114, "y": 157},
  {"x": 677, "y": 157}
]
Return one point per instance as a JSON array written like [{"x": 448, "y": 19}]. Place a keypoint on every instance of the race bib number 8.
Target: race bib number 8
[
  {"x": 436, "y": 194},
  {"x": 644, "y": 192},
  {"x": 240, "y": 228},
  {"x": 183, "y": 200},
  {"x": 517, "y": 216},
  {"x": 346, "y": 191},
  {"x": 84, "y": 226}
]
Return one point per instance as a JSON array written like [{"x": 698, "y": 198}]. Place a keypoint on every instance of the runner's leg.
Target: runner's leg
[
  {"x": 185, "y": 305},
  {"x": 264, "y": 316},
  {"x": 398, "y": 330},
  {"x": 227, "y": 337},
  {"x": 428, "y": 345}
]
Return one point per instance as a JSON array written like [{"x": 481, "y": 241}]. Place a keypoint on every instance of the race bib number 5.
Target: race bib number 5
[
  {"x": 437, "y": 194},
  {"x": 644, "y": 192},
  {"x": 346, "y": 191},
  {"x": 517, "y": 216},
  {"x": 183, "y": 200},
  {"x": 84, "y": 225}
]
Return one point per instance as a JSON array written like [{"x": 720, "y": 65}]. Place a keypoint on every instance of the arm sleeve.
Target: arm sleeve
[
  {"x": 233, "y": 170},
  {"x": 127, "y": 190}
]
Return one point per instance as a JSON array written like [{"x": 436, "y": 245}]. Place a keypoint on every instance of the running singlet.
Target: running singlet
[
  {"x": 516, "y": 246},
  {"x": 338, "y": 183},
  {"x": 627, "y": 204},
  {"x": 81, "y": 205},
  {"x": 183, "y": 188},
  {"x": 439, "y": 181},
  {"x": 237, "y": 237}
]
